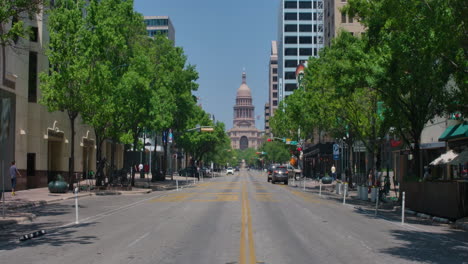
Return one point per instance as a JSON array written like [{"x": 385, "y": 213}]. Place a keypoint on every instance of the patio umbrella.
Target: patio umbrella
[
  {"x": 461, "y": 158},
  {"x": 445, "y": 158}
]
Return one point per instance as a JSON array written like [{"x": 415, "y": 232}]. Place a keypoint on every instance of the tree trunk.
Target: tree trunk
[
  {"x": 71, "y": 163},
  {"x": 112, "y": 165}
]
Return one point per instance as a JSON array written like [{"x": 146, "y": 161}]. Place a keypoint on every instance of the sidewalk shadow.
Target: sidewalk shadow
[
  {"x": 56, "y": 237},
  {"x": 427, "y": 247}
]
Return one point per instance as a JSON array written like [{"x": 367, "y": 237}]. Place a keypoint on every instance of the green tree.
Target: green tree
[
  {"x": 276, "y": 152},
  {"x": 64, "y": 87},
  {"x": 423, "y": 45},
  {"x": 12, "y": 14}
]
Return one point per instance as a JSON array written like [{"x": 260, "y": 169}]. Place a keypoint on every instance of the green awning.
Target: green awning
[{"x": 455, "y": 132}]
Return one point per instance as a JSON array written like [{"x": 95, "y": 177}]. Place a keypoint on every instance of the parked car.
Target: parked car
[
  {"x": 236, "y": 169},
  {"x": 229, "y": 170},
  {"x": 189, "y": 171},
  {"x": 280, "y": 174},
  {"x": 294, "y": 172}
]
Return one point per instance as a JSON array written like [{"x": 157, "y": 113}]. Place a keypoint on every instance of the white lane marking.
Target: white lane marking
[{"x": 138, "y": 240}]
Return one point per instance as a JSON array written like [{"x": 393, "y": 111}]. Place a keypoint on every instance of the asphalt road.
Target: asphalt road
[{"x": 233, "y": 219}]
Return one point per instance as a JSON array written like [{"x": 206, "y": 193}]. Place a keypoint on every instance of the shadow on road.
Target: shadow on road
[
  {"x": 427, "y": 247},
  {"x": 55, "y": 237}
]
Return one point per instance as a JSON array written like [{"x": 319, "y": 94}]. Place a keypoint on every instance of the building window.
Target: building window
[
  {"x": 315, "y": 16},
  {"x": 275, "y": 103},
  {"x": 157, "y": 22},
  {"x": 275, "y": 87},
  {"x": 289, "y": 87},
  {"x": 31, "y": 164},
  {"x": 315, "y": 51},
  {"x": 305, "y": 16},
  {"x": 273, "y": 62},
  {"x": 315, "y": 28},
  {"x": 34, "y": 34},
  {"x": 290, "y": 40},
  {"x": 290, "y": 16},
  {"x": 315, "y": 39},
  {"x": 290, "y": 28},
  {"x": 304, "y": 4},
  {"x": 288, "y": 4},
  {"x": 32, "y": 77},
  {"x": 343, "y": 17},
  {"x": 290, "y": 51},
  {"x": 275, "y": 70},
  {"x": 315, "y": 4},
  {"x": 290, "y": 63},
  {"x": 305, "y": 52},
  {"x": 275, "y": 95},
  {"x": 350, "y": 19},
  {"x": 305, "y": 28},
  {"x": 305, "y": 40},
  {"x": 290, "y": 75},
  {"x": 275, "y": 78}
]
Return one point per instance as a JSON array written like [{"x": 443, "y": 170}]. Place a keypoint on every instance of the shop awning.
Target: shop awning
[
  {"x": 455, "y": 132},
  {"x": 444, "y": 158},
  {"x": 461, "y": 158}
]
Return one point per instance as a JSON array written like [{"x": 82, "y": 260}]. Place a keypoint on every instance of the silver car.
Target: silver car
[{"x": 280, "y": 174}]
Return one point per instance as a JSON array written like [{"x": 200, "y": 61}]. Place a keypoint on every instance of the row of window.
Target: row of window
[
  {"x": 302, "y": 28},
  {"x": 302, "y": 16},
  {"x": 153, "y": 33},
  {"x": 302, "y": 52},
  {"x": 302, "y": 40},
  {"x": 157, "y": 22},
  {"x": 302, "y": 4}
]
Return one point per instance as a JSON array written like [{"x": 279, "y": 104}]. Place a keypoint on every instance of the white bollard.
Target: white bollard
[
  {"x": 345, "y": 187},
  {"x": 377, "y": 202},
  {"x": 320, "y": 190},
  {"x": 403, "y": 209},
  {"x": 76, "y": 206},
  {"x": 177, "y": 184}
]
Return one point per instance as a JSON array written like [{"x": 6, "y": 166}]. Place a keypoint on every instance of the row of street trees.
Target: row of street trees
[
  {"x": 409, "y": 67},
  {"x": 105, "y": 69}
]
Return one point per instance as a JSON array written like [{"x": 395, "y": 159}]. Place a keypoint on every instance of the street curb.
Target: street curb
[
  {"x": 42, "y": 202},
  {"x": 463, "y": 226}
]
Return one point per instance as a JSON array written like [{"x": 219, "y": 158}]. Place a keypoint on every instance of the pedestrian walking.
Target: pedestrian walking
[
  {"x": 13, "y": 173},
  {"x": 141, "y": 170},
  {"x": 333, "y": 172}
]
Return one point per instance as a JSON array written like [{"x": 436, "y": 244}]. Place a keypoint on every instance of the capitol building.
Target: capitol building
[{"x": 244, "y": 134}]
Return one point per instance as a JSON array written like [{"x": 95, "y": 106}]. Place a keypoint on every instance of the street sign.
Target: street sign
[
  {"x": 336, "y": 151},
  {"x": 293, "y": 143}
]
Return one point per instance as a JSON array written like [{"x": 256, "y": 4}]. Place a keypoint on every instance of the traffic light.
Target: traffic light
[
  {"x": 299, "y": 149},
  {"x": 269, "y": 139}
]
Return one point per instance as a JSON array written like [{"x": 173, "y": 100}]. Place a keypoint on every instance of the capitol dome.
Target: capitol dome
[{"x": 244, "y": 90}]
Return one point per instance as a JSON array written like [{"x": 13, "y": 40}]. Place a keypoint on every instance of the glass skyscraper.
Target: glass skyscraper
[{"x": 300, "y": 36}]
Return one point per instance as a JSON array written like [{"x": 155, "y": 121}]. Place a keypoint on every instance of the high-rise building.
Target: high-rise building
[
  {"x": 244, "y": 134},
  {"x": 273, "y": 78},
  {"x": 335, "y": 20},
  {"x": 160, "y": 25},
  {"x": 300, "y": 36},
  {"x": 267, "y": 119}
]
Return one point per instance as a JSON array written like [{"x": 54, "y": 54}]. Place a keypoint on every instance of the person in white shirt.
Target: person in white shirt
[{"x": 333, "y": 172}]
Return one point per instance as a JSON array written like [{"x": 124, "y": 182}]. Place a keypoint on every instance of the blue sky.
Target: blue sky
[{"x": 221, "y": 37}]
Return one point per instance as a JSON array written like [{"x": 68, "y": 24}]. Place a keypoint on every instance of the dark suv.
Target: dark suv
[{"x": 280, "y": 174}]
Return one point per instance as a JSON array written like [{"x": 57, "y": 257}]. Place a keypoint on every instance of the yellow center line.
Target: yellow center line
[{"x": 246, "y": 221}]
